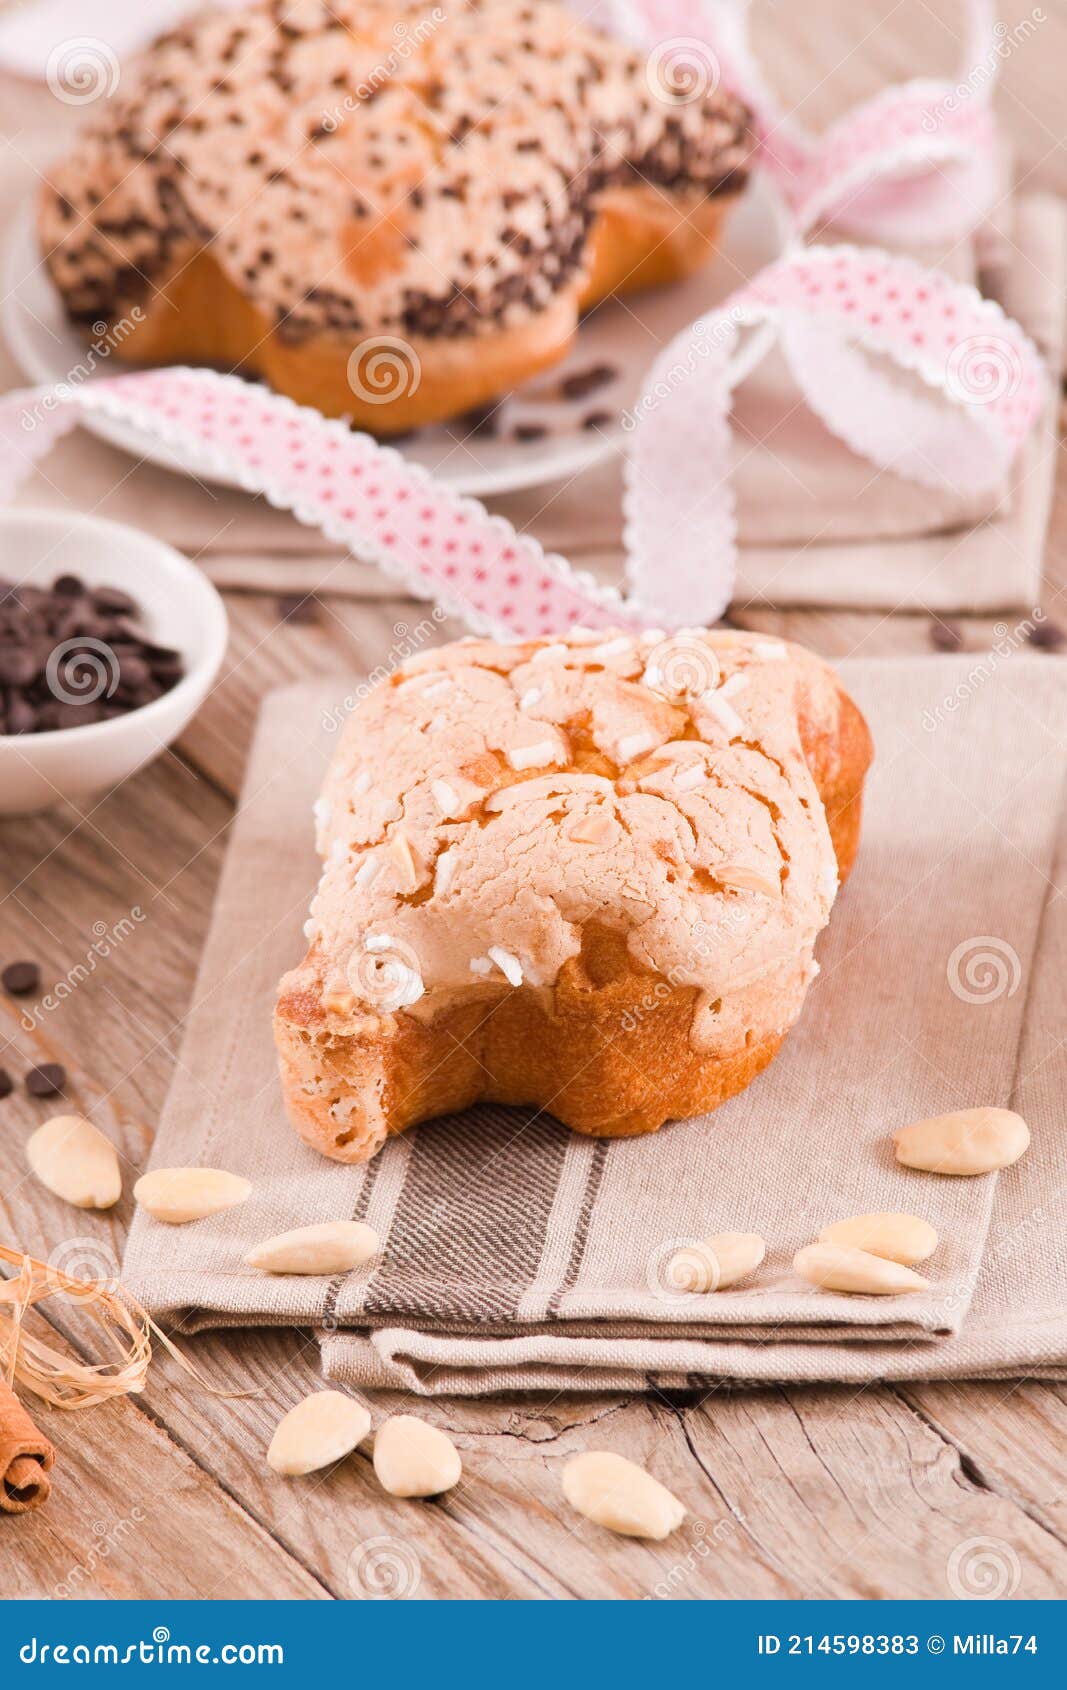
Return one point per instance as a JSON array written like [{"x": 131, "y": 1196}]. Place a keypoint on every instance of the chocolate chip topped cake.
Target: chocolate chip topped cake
[
  {"x": 389, "y": 211},
  {"x": 585, "y": 875}
]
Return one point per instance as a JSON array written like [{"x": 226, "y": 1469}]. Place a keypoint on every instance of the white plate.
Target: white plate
[{"x": 623, "y": 334}]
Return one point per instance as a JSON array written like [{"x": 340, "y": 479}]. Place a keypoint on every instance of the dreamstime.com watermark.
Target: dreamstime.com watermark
[
  {"x": 706, "y": 940},
  {"x": 384, "y": 369},
  {"x": 106, "y": 940},
  {"x": 107, "y": 338},
  {"x": 406, "y": 42},
  {"x": 107, "y": 1538},
  {"x": 1006, "y": 641},
  {"x": 158, "y": 1650},
  {"x": 384, "y": 1569},
  {"x": 702, "y": 1543},
  {"x": 1007, "y": 37},
  {"x": 707, "y": 338},
  {"x": 406, "y": 642},
  {"x": 90, "y": 1263}
]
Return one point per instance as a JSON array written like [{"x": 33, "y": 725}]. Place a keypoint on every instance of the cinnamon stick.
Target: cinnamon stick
[{"x": 25, "y": 1458}]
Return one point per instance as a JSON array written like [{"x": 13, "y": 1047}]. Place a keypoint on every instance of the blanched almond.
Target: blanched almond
[
  {"x": 746, "y": 879},
  {"x": 616, "y": 1493},
  {"x": 900, "y": 1238},
  {"x": 413, "y": 1458},
  {"x": 839, "y": 1267},
  {"x": 716, "y": 1262},
  {"x": 74, "y": 1159},
  {"x": 176, "y": 1195},
  {"x": 319, "y": 1431},
  {"x": 969, "y": 1141},
  {"x": 329, "y": 1247}
]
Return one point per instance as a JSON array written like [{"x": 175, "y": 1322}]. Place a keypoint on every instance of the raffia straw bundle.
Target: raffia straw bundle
[{"x": 58, "y": 1377}]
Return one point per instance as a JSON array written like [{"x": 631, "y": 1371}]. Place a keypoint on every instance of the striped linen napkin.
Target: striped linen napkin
[{"x": 517, "y": 1255}]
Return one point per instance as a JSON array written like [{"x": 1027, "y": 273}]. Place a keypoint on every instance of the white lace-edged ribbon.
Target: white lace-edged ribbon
[
  {"x": 915, "y": 163},
  {"x": 914, "y": 372},
  {"x": 367, "y": 497}
]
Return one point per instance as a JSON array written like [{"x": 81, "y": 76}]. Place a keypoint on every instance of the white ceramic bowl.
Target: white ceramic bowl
[{"x": 178, "y": 607}]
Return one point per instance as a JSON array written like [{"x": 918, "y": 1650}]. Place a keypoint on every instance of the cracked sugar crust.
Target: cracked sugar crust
[
  {"x": 372, "y": 165},
  {"x": 490, "y": 807}
]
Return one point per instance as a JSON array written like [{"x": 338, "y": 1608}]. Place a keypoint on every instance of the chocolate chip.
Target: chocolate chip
[
  {"x": 530, "y": 431},
  {"x": 133, "y": 671},
  {"x": 1047, "y": 636},
  {"x": 71, "y": 656},
  {"x": 111, "y": 601},
  {"x": 584, "y": 382},
  {"x": 297, "y": 607},
  {"x": 482, "y": 421},
  {"x": 46, "y": 1080},
  {"x": 19, "y": 717},
  {"x": 21, "y": 977},
  {"x": 598, "y": 419},
  {"x": 160, "y": 655},
  {"x": 55, "y": 716},
  {"x": 7, "y": 1084},
  {"x": 18, "y": 666},
  {"x": 946, "y": 636}
]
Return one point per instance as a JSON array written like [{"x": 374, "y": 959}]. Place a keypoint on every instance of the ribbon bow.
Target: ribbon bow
[{"x": 914, "y": 372}]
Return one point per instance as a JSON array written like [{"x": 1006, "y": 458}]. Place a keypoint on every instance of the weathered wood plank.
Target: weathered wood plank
[
  {"x": 339, "y": 1524},
  {"x": 1012, "y": 1435},
  {"x": 863, "y": 1500},
  {"x": 792, "y": 1492},
  {"x": 113, "y": 907},
  {"x": 798, "y": 1492},
  {"x": 131, "y": 1515}
]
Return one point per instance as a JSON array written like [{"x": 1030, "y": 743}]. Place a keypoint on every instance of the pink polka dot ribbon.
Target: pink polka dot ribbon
[
  {"x": 385, "y": 510},
  {"x": 915, "y": 373},
  {"x": 915, "y": 163}
]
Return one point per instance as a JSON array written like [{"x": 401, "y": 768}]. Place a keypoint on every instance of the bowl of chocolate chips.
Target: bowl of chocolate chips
[{"x": 109, "y": 642}]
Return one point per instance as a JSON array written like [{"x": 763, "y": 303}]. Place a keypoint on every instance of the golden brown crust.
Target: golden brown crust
[
  {"x": 277, "y": 186},
  {"x": 198, "y": 316},
  {"x": 608, "y": 1049}
]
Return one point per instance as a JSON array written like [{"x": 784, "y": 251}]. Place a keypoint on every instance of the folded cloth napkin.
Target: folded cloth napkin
[
  {"x": 817, "y": 524},
  {"x": 518, "y": 1255}
]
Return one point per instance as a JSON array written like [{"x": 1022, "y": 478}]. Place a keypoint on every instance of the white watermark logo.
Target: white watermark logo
[
  {"x": 82, "y": 70},
  {"x": 81, "y": 671},
  {"x": 682, "y": 70},
  {"x": 384, "y": 1569},
  {"x": 985, "y": 1569},
  {"x": 984, "y": 969},
  {"x": 982, "y": 369},
  {"x": 383, "y": 370}
]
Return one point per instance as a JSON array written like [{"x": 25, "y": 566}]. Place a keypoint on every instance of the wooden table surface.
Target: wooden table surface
[{"x": 793, "y": 1492}]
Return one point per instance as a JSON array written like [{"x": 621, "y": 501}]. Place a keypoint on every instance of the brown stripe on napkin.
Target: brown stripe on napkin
[
  {"x": 359, "y": 1213},
  {"x": 468, "y": 1231}
]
